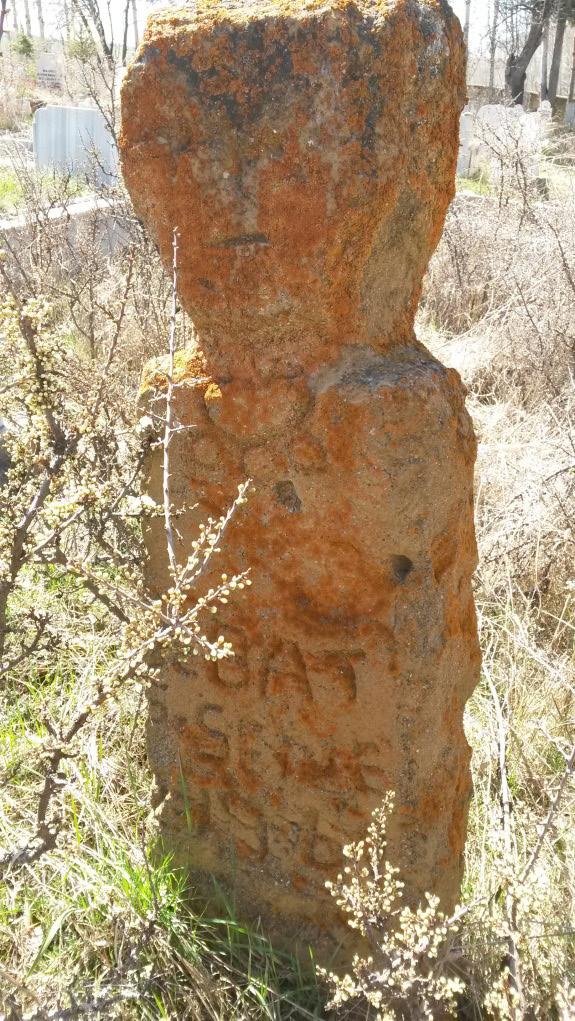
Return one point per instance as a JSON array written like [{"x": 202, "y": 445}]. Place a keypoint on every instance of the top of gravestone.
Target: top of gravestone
[
  {"x": 306, "y": 152},
  {"x": 241, "y": 11}
]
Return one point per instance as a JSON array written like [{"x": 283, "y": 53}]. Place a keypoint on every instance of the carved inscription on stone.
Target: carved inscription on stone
[{"x": 252, "y": 777}]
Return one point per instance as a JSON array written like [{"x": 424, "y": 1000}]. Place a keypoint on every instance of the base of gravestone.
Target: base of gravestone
[{"x": 268, "y": 764}]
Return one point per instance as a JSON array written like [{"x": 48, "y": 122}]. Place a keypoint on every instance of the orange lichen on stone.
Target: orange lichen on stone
[
  {"x": 189, "y": 368},
  {"x": 306, "y": 152}
]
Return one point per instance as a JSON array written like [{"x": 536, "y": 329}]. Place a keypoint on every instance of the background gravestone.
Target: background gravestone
[
  {"x": 50, "y": 69},
  {"x": 307, "y": 156}
]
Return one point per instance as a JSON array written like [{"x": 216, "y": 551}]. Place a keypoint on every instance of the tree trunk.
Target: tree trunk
[
  {"x": 465, "y": 29},
  {"x": 493, "y": 49},
  {"x": 135, "y": 19},
  {"x": 66, "y": 10},
  {"x": 27, "y": 18},
  {"x": 517, "y": 63},
  {"x": 557, "y": 54},
  {"x": 545, "y": 64},
  {"x": 3, "y": 15},
  {"x": 125, "y": 33},
  {"x": 89, "y": 14},
  {"x": 40, "y": 18}
]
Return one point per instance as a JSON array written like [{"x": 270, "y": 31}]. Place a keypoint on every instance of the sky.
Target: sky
[
  {"x": 52, "y": 9},
  {"x": 53, "y": 13},
  {"x": 478, "y": 19}
]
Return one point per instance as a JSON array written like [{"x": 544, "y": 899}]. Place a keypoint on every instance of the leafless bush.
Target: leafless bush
[
  {"x": 405, "y": 972},
  {"x": 16, "y": 81},
  {"x": 498, "y": 306},
  {"x": 86, "y": 252},
  {"x": 71, "y": 507},
  {"x": 507, "y": 275}
]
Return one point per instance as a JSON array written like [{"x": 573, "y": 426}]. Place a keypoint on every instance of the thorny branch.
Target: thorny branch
[
  {"x": 145, "y": 624},
  {"x": 169, "y": 423},
  {"x": 513, "y": 959}
]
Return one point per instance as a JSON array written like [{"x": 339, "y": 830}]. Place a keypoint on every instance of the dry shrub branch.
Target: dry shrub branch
[
  {"x": 499, "y": 306},
  {"x": 71, "y": 519}
]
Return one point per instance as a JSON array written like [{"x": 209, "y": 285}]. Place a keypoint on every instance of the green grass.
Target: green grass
[
  {"x": 477, "y": 185},
  {"x": 108, "y": 901},
  {"x": 11, "y": 193},
  {"x": 106, "y": 913},
  {"x": 14, "y": 189}
]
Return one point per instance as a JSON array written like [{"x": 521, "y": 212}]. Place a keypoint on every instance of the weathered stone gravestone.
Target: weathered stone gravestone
[
  {"x": 76, "y": 140},
  {"x": 307, "y": 156},
  {"x": 49, "y": 69}
]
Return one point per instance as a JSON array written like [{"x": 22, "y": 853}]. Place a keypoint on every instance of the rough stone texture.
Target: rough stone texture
[{"x": 307, "y": 153}]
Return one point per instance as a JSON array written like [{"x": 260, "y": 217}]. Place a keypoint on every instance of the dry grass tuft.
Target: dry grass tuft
[{"x": 499, "y": 307}]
